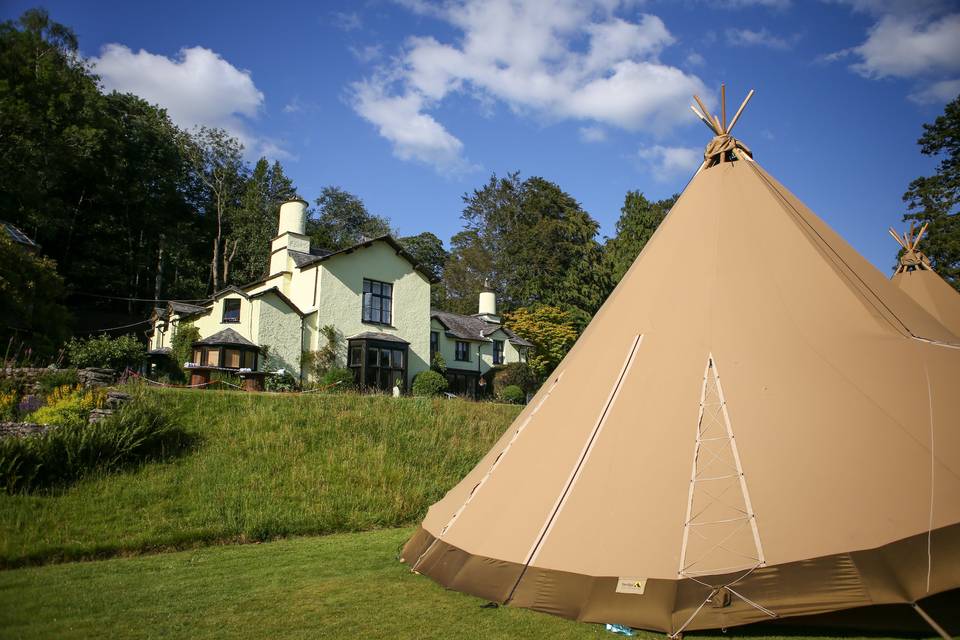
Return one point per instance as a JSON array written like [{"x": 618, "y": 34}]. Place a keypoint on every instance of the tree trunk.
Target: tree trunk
[
  {"x": 214, "y": 275},
  {"x": 228, "y": 259},
  {"x": 159, "y": 279}
]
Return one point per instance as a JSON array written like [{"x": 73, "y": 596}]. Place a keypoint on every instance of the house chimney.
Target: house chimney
[
  {"x": 291, "y": 235},
  {"x": 293, "y": 217},
  {"x": 488, "y": 301}
]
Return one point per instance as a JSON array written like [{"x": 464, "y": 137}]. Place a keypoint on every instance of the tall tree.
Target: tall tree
[
  {"x": 427, "y": 249},
  {"x": 255, "y": 222},
  {"x": 639, "y": 218},
  {"x": 217, "y": 159},
  {"x": 343, "y": 220},
  {"x": 31, "y": 308},
  {"x": 51, "y": 131},
  {"x": 552, "y": 331},
  {"x": 532, "y": 241},
  {"x": 935, "y": 199}
]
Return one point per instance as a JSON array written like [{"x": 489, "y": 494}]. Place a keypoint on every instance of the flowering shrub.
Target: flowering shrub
[
  {"x": 69, "y": 406},
  {"x": 8, "y": 405}
]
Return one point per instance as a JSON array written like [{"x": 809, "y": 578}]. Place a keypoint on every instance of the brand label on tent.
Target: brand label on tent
[{"x": 631, "y": 585}]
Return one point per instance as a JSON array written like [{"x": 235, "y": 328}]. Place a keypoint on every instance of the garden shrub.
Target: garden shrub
[
  {"x": 516, "y": 374},
  {"x": 438, "y": 363},
  {"x": 337, "y": 379},
  {"x": 104, "y": 351},
  {"x": 141, "y": 430},
  {"x": 230, "y": 382},
  {"x": 429, "y": 383},
  {"x": 282, "y": 383},
  {"x": 69, "y": 406},
  {"x": 55, "y": 378},
  {"x": 8, "y": 405},
  {"x": 512, "y": 394}
]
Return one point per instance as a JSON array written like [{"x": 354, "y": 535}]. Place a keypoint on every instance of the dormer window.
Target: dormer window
[{"x": 231, "y": 310}]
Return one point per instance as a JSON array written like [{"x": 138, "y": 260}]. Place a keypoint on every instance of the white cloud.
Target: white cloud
[
  {"x": 593, "y": 134},
  {"x": 569, "y": 59},
  {"x": 415, "y": 135},
  {"x": 740, "y": 4},
  {"x": 910, "y": 39},
  {"x": 669, "y": 162},
  {"x": 937, "y": 93},
  {"x": 197, "y": 88},
  {"x": 367, "y": 53},
  {"x": 695, "y": 59},
  {"x": 905, "y": 46},
  {"x": 761, "y": 38},
  {"x": 346, "y": 21}
]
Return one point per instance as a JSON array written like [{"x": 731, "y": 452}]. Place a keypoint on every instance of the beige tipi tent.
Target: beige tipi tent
[
  {"x": 918, "y": 279},
  {"x": 756, "y": 425}
]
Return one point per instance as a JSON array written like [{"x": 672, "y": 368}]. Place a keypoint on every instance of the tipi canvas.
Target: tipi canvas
[
  {"x": 756, "y": 425},
  {"x": 917, "y": 279}
]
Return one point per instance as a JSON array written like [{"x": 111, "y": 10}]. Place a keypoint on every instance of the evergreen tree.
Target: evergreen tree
[
  {"x": 532, "y": 241},
  {"x": 935, "y": 199},
  {"x": 344, "y": 221},
  {"x": 255, "y": 222},
  {"x": 639, "y": 219}
]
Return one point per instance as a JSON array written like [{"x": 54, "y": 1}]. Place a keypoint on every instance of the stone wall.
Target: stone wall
[
  {"x": 28, "y": 381},
  {"x": 28, "y": 377}
]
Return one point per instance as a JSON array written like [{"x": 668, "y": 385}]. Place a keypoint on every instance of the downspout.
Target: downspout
[
  {"x": 479, "y": 358},
  {"x": 302, "y": 317}
]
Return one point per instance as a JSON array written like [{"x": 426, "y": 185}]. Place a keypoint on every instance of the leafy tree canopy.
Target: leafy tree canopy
[
  {"x": 552, "y": 332},
  {"x": 343, "y": 220},
  {"x": 31, "y": 294},
  {"x": 532, "y": 241},
  {"x": 639, "y": 218},
  {"x": 935, "y": 199}
]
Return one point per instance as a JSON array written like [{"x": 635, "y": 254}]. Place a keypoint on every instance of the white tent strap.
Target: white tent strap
[
  {"x": 715, "y": 590},
  {"x": 486, "y": 476},
  {"x": 584, "y": 455},
  {"x": 711, "y": 380},
  {"x": 587, "y": 448},
  {"x": 933, "y": 462}
]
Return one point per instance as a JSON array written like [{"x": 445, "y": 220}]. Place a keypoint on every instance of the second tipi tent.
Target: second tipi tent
[
  {"x": 757, "y": 424},
  {"x": 917, "y": 278}
]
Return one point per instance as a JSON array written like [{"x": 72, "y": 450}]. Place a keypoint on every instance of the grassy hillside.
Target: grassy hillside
[{"x": 263, "y": 466}]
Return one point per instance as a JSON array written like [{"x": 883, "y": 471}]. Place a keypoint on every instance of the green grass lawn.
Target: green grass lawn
[
  {"x": 263, "y": 466},
  {"x": 337, "y": 586}
]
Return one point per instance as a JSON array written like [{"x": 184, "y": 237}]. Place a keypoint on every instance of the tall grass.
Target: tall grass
[
  {"x": 265, "y": 466},
  {"x": 139, "y": 431}
]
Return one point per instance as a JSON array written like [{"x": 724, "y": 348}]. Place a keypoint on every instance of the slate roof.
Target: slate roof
[
  {"x": 302, "y": 259},
  {"x": 305, "y": 260},
  {"x": 182, "y": 308},
  {"x": 227, "y": 337},
  {"x": 473, "y": 328},
  {"x": 377, "y": 335},
  {"x": 19, "y": 236}
]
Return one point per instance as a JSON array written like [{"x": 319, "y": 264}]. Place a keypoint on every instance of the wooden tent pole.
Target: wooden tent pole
[
  {"x": 704, "y": 119},
  {"x": 739, "y": 111},
  {"x": 706, "y": 111},
  {"x": 896, "y": 237},
  {"x": 723, "y": 105},
  {"x": 919, "y": 235}
]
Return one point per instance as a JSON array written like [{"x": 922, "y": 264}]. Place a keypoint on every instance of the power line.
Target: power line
[
  {"x": 124, "y": 326},
  {"x": 100, "y": 295}
]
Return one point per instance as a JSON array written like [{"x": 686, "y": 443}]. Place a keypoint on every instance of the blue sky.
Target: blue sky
[{"x": 410, "y": 104}]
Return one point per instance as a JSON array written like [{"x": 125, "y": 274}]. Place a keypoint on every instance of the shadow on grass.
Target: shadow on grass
[{"x": 877, "y": 621}]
